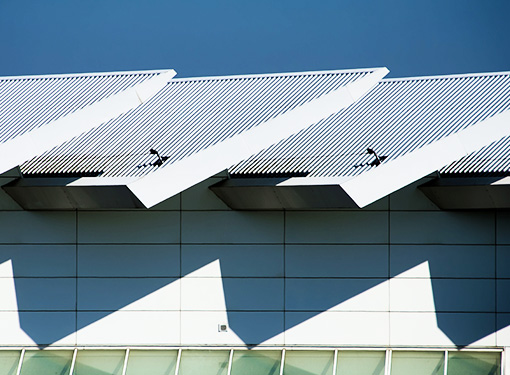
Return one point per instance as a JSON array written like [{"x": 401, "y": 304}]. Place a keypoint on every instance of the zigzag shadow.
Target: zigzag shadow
[{"x": 48, "y": 328}]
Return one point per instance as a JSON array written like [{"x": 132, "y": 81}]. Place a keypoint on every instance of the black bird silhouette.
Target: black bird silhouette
[
  {"x": 378, "y": 159},
  {"x": 157, "y": 163}
]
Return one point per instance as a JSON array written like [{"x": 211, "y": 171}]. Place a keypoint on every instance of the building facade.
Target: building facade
[{"x": 301, "y": 286}]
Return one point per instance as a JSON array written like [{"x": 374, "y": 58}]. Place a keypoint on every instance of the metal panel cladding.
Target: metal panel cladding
[
  {"x": 29, "y": 102},
  {"x": 397, "y": 117},
  {"x": 185, "y": 117}
]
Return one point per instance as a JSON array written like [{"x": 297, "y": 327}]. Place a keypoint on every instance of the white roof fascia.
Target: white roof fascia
[
  {"x": 102, "y": 181},
  {"x": 502, "y": 181},
  {"x": 396, "y": 174},
  {"x": 179, "y": 176},
  {"x": 311, "y": 181},
  {"x": 87, "y": 74},
  {"x": 31, "y": 144}
]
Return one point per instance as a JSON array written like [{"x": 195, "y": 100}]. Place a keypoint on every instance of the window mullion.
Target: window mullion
[
  {"x": 126, "y": 358},
  {"x": 445, "y": 369},
  {"x": 73, "y": 361},
  {"x": 229, "y": 370},
  {"x": 387, "y": 368},
  {"x": 22, "y": 355},
  {"x": 335, "y": 361},
  {"x": 283, "y": 361},
  {"x": 179, "y": 354}
]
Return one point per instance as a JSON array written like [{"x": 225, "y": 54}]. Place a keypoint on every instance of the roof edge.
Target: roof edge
[
  {"x": 89, "y": 74},
  {"x": 284, "y": 74},
  {"x": 446, "y": 76}
]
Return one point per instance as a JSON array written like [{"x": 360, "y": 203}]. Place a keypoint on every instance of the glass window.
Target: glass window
[
  {"x": 360, "y": 363},
  {"x": 256, "y": 362},
  {"x": 99, "y": 362},
  {"x": 9, "y": 361},
  {"x": 204, "y": 362},
  {"x": 313, "y": 362},
  {"x": 46, "y": 362},
  {"x": 417, "y": 363},
  {"x": 151, "y": 362},
  {"x": 470, "y": 363}
]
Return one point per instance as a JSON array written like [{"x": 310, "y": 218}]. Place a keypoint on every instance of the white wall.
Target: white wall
[{"x": 399, "y": 273}]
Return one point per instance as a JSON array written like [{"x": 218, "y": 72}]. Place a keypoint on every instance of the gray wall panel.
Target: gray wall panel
[
  {"x": 37, "y": 227},
  {"x": 336, "y": 294},
  {"x": 38, "y": 260},
  {"x": 129, "y": 260},
  {"x": 336, "y": 227},
  {"x": 503, "y": 261},
  {"x": 235, "y": 260},
  {"x": 128, "y": 227},
  {"x": 232, "y": 227},
  {"x": 111, "y": 294},
  {"x": 503, "y": 235},
  {"x": 445, "y": 260},
  {"x": 317, "y": 260},
  {"x": 443, "y": 227},
  {"x": 503, "y": 296},
  {"x": 43, "y": 293}
]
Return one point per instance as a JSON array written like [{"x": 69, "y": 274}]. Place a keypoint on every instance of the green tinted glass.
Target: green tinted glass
[
  {"x": 151, "y": 362},
  {"x": 50, "y": 362},
  {"x": 360, "y": 363},
  {"x": 256, "y": 362},
  {"x": 204, "y": 362},
  {"x": 99, "y": 362},
  {"x": 469, "y": 363},
  {"x": 417, "y": 363},
  {"x": 9, "y": 361},
  {"x": 315, "y": 362}
]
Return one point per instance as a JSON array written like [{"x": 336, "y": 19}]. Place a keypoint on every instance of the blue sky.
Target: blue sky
[{"x": 208, "y": 37}]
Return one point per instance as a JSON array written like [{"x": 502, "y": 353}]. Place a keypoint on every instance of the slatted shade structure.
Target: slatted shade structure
[
  {"x": 195, "y": 128},
  {"x": 186, "y": 117},
  {"x": 29, "y": 102},
  {"x": 398, "y": 117},
  {"x": 39, "y": 113},
  {"x": 292, "y": 140},
  {"x": 415, "y": 125}
]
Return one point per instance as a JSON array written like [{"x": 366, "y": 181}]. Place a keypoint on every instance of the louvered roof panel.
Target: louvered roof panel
[
  {"x": 494, "y": 159},
  {"x": 187, "y": 116},
  {"x": 397, "y": 117},
  {"x": 28, "y": 102}
]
